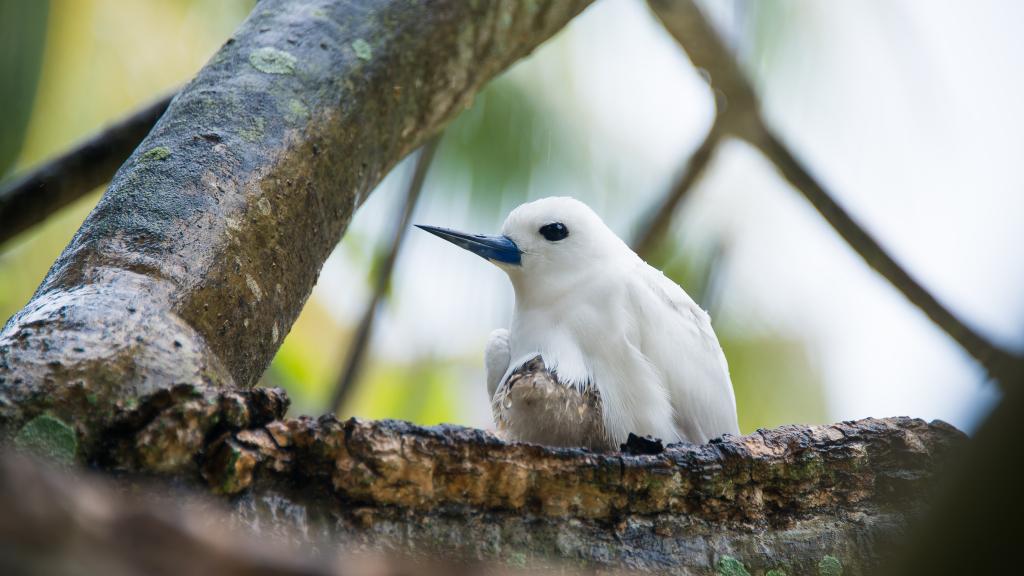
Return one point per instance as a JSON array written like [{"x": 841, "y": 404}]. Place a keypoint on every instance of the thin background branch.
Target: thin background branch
[
  {"x": 685, "y": 22},
  {"x": 349, "y": 375},
  {"x": 660, "y": 219},
  {"x": 29, "y": 199}
]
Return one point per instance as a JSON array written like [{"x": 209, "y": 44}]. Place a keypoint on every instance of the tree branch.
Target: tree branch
[
  {"x": 685, "y": 22},
  {"x": 29, "y": 199},
  {"x": 1000, "y": 364},
  {"x": 348, "y": 377},
  {"x": 201, "y": 253},
  {"x": 784, "y": 498},
  {"x": 793, "y": 499},
  {"x": 659, "y": 220}
]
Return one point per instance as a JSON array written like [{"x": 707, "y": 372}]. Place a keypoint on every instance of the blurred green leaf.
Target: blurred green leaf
[
  {"x": 771, "y": 376},
  {"x": 22, "y": 38},
  {"x": 773, "y": 380},
  {"x": 504, "y": 139},
  {"x": 419, "y": 392}
]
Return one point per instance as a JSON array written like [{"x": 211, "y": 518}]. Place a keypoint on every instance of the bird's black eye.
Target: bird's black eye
[{"x": 554, "y": 232}]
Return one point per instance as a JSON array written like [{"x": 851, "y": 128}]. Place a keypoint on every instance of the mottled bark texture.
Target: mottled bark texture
[
  {"x": 208, "y": 241},
  {"x": 796, "y": 498},
  {"x": 786, "y": 499}
]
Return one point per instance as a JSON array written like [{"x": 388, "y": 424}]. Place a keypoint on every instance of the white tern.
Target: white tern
[{"x": 631, "y": 351}]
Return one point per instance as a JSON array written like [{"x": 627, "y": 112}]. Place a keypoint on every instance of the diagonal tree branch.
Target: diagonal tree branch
[
  {"x": 201, "y": 253},
  {"x": 685, "y": 22},
  {"x": 1000, "y": 364},
  {"x": 349, "y": 375},
  {"x": 660, "y": 218},
  {"x": 29, "y": 199}
]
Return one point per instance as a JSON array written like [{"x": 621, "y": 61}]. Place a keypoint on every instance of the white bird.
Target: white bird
[{"x": 631, "y": 351}]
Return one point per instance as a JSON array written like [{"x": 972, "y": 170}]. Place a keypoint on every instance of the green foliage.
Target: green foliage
[
  {"x": 22, "y": 39},
  {"x": 773, "y": 379}
]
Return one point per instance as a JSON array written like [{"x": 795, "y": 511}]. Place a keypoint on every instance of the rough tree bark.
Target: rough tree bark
[
  {"x": 798, "y": 499},
  {"x": 138, "y": 352},
  {"x": 201, "y": 253}
]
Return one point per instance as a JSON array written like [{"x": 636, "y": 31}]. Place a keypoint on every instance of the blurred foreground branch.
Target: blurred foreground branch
[
  {"x": 741, "y": 118},
  {"x": 29, "y": 199},
  {"x": 56, "y": 522},
  {"x": 349, "y": 375}
]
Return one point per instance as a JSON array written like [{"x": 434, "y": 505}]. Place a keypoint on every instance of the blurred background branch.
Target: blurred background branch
[
  {"x": 1003, "y": 366},
  {"x": 658, "y": 222},
  {"x": 29, "y": 199},
  {"x": 705, "y": 48},
  {"x": 349, "y": 375}
]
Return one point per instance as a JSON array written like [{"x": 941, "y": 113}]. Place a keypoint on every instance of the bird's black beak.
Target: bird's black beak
[{"x": 496, "y": 248}]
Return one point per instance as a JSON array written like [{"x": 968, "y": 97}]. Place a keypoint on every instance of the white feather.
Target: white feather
[{"x": 497, "y": 356}]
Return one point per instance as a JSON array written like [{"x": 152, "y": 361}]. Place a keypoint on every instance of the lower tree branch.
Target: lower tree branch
[
  {"x": 798, "y": 499},
  {"x": 29, "y": 199},
  {"x": 789, "y": 498}
]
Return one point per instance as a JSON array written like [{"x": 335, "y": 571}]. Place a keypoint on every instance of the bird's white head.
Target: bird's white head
[{"x": 548, "y": 245}]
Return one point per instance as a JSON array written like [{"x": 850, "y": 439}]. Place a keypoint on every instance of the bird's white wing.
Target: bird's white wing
[
  {"x": 497, "y": 355},
  {"x": 676, "y": 336}
]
